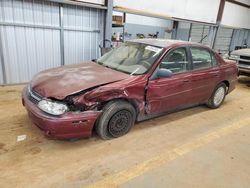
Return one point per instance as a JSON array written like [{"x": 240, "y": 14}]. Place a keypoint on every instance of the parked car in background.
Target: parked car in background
[
  {"x": 242, "y": 57},
  {"x": 141, "y": 79}
]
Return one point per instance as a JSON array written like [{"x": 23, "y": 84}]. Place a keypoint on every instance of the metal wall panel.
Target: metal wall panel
[
  {"x": 198, "y": 32},
  {"x": 28, "y": 51},
  {"x": 28, "y": 46},
  {"x": 32, "y": 40},
  {"x": 83, "y": 31},
  {"x": 223, "y": 39},
  {"x": 183, "y": 31},
  {"x": 30, "y": 12}
]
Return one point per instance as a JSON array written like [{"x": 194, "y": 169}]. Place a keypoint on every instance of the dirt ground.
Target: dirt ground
[{"x": 197, "y": 147}]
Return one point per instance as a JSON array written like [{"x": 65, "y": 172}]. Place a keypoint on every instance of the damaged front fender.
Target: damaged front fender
[{"x": 97, "y": 98}]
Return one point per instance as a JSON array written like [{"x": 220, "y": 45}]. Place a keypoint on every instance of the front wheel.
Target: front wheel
[
  {"x": 218, "y": 96},
  {"x": 117, "y": 119}
]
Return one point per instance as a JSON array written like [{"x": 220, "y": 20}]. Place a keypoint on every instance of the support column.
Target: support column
[
  {"x": 61, "y": 35},
  {"x": 212, "y": 36},
  {"x": 108, "y": 21},
  {"x": 214, "y": 29}
]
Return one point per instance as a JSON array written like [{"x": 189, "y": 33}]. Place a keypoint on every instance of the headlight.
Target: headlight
[
  {"x": 234, "y": 57},
  {"x": 53, "y": 108}
]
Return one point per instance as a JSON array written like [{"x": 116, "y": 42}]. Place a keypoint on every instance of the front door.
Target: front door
[{"x": 166, "y": 94}]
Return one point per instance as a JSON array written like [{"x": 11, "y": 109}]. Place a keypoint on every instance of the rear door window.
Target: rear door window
[{"x": 201, "y": 58}]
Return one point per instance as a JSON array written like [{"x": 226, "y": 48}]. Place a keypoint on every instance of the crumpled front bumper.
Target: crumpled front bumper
[{"x": 67, "y": 126}]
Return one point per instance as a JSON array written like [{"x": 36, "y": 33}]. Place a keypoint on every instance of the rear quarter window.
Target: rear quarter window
[{"x": 214, "y": 59}]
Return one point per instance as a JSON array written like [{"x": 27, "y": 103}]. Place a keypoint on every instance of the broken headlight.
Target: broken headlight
[{"x": 51, "y": 107}]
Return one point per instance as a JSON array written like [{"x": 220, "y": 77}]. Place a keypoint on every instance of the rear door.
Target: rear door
[
  {"x": 205, "y": 74},
  {"x": 166, "y": 94}
]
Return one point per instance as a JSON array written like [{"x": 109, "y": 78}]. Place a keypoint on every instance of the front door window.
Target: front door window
[{"x": 175, "y": 61}]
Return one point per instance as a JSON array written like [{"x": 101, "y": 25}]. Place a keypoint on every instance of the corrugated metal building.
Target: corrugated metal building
[{"x": 37, "y": 35}]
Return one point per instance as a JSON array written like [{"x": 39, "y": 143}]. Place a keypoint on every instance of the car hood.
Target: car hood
[
  {"x": 245, "y": 52},
  {"x": 67, "y": 80}
]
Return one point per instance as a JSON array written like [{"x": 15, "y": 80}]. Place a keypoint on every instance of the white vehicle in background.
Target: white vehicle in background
[{"x": 242, "y": 57}]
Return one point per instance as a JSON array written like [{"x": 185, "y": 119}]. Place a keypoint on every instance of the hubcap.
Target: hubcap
[
  {"x": 120, "y": 123},
  {"x": 219, "y": 96}
]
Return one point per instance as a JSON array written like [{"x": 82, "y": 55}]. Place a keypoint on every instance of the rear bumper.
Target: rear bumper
[{"x": 67, "y": 126}]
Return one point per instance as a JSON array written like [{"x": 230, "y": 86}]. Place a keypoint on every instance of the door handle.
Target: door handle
[{"x": 185, "y": 81}]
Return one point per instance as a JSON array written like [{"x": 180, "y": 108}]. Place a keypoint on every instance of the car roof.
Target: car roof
[{"x": 163, "y": 43}]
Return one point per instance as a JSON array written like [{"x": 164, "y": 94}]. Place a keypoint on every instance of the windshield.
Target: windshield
[{"x": 131, "y": 58}]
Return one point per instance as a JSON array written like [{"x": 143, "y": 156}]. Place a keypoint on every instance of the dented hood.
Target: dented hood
[{"x": 63, "y": 81}]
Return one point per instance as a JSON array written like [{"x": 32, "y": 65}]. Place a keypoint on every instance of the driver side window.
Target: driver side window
[{"x": 175, "y": 61}]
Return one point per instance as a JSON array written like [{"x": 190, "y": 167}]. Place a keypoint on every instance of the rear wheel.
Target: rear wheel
[
  {"x": 218, "y": 96},
  {"x": 117, "y": 119}
]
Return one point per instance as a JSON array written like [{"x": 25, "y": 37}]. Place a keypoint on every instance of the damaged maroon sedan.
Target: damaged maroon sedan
[{"x": 141, "y": 79}]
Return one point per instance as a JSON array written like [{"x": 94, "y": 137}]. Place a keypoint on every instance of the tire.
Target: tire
[
  {"x": 218, "y": 96},
  {"x": 116, "y": 120}
]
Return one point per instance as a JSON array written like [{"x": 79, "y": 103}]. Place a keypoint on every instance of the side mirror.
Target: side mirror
[{"x": 164, "y": 73}]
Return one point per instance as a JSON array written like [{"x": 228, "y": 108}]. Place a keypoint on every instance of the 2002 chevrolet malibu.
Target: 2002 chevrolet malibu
[{"x": 141, "y": 79}]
